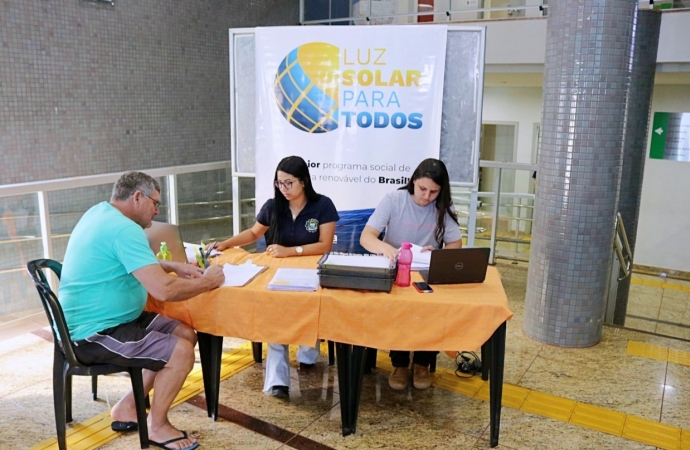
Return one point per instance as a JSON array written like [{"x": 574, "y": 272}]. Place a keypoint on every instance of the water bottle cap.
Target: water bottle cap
[
  {"x": 163, "y": 243},
  {"x": 406, "y": 245}
]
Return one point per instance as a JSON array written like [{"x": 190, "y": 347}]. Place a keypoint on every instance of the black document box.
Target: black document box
[{"x": 353, "y": 277}]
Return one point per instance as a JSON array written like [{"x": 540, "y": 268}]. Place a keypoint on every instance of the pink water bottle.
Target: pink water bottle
[{"x": 404, "y": 264}]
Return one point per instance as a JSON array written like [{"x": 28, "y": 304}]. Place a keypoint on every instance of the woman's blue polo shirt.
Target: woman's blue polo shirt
[{"x": 305, "y": 228}]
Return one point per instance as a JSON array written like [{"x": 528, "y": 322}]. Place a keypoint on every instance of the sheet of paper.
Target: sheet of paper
[
  {"x": 288, "y": 279},
  {"x": 240, "y": 274},
  {"x": 420, "y": 259},
  {"x": 368, "y": 261}
]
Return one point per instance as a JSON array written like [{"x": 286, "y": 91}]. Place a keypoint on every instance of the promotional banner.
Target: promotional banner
[{"x": 362, "y": 105}]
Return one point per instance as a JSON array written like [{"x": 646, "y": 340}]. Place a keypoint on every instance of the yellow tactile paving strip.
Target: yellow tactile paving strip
[
  {"x": 659, "y": 353},
  {"x": 660, "y": 284},
  {"x": 565, "y": 410},
  {"x": 96, "y": 431},
  {"x": 647, "y": 351}
]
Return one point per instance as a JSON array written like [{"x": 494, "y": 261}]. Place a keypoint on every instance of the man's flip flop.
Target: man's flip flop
[
  {"x": 124, "y": 426},
  {"x": 164, "y": 445}
]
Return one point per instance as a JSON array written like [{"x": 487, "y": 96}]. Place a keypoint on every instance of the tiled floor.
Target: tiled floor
[
  {"x": 603, "y": 397},
  {"x": 659, "y": 305}
]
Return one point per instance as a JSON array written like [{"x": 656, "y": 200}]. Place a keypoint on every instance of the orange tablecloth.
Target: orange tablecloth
[
  {"x": 453, "y": 317},
  {"x": 252, "y": 312}
]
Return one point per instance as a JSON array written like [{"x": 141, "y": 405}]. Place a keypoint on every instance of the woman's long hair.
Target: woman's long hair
[
  {"x": 295, "y": 166},
  {"x": 435, "y": 170}
]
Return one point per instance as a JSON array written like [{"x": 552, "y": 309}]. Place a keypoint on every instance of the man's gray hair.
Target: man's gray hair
[{"x": 131, "y": 182}]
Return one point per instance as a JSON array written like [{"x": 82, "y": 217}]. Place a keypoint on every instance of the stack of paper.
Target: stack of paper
[
  {"x": 368, "y": 261},
  {"x": 287, "y": 279},
  {"x": 420, "y": 259},
  {"x": 240, "y": 274}
]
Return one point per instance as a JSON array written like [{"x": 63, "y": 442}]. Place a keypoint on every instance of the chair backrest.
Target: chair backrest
[
  {"x": 56, "y": 317},
  {"x": 164, "y": 232}
]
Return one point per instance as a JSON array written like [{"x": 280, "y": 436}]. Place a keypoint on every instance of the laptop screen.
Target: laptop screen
[{"x": 457, "y": 265}]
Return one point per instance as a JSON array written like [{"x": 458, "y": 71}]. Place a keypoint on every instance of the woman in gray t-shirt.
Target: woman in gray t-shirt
[{"x": 421, "y": 213}]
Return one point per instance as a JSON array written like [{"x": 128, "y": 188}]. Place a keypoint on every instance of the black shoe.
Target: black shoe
[
  {"x": 124, "y": 426},
  {"x": 305, "y": 366},
  {"x": 280, "y": 392}
]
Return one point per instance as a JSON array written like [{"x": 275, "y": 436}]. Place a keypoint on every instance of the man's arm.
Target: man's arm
[
  {"x": 181, "y": 269},
  {"x": 172, "y": 289}
]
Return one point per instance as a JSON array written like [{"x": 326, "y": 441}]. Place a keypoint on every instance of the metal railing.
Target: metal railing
[
  {"x": 620, "y": 245},
  {"x": 478, "y": 207},
  {"x": 29, "y": 230},
  {"x": 41, "y": 189},
  {"x": 371, "y": 12},
  {"x": 480, "y": 213}
]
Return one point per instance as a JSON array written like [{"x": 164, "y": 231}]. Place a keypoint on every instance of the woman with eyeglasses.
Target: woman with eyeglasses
[
  {"x": 296, "y": 221},
  {"x": 420, "y": 212}
]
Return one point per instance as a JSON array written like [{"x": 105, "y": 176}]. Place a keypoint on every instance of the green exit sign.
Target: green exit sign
[
  {"x": 659, "y": 128},
  {"x": 670, "y": 136}
]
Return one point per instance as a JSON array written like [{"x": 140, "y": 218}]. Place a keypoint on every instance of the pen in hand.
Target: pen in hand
[
  {"x": 209, "y": 249},
  {"x": 201, "y": 258}
]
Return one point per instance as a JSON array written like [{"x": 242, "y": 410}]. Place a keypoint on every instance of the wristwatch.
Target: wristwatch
[{"x": 299, "y": 250}]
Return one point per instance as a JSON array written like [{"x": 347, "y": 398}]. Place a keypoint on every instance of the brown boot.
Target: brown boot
[
  {"x": 421, "y": 378},
  {"x": 398, "y": 378}
]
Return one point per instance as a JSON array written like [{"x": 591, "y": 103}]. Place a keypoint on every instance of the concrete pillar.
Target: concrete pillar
[
  {"x": 646, "y": 43},
  {"x": 587, "y": 74}
]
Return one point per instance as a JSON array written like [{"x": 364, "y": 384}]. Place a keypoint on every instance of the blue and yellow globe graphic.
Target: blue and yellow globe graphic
[{"x": 306, "y": 87}]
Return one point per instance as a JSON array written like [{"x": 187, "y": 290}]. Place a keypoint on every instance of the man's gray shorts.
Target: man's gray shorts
[{"x": 145, "y": 342}]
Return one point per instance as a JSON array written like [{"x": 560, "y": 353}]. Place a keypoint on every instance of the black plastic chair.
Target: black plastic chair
[{"x": 66, "y": 364}]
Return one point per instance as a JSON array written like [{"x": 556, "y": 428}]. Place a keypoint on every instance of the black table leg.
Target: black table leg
[
  {"x": 369, "y": 359},
  {"x": 350, "y": 374},
  {"x": 486, "y": 359},
  {"x": 498, "y": 351},
  {"x": 257, "y": 352},
  {"x": 210, "y": 352},
  {"x": 331, "y": 353}
]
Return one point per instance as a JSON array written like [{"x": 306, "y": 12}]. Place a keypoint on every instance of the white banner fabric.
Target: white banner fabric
[{"x": 362, "y": 105}]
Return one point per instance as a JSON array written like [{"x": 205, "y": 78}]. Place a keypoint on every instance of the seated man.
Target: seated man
[{"x": 107, "y": 271}]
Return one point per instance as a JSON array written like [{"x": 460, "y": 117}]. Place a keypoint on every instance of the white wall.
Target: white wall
[
  {"x": 674, "y": 37},
  {"x": 515, "y": 104},
  {"x": 663, "y": 237},
  {"x": 663, "y": 231}
]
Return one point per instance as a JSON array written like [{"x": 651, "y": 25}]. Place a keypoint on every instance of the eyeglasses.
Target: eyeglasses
[
  {"x": 286, "y": 184},
  {"x": 156, "y": 203}
]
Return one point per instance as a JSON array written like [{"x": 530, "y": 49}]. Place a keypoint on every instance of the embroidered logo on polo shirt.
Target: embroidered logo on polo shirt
[{"x": 312, "y": 225}]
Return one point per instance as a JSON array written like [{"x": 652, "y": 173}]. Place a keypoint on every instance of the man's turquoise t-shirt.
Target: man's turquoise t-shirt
[{"x": 97, "y": 288}]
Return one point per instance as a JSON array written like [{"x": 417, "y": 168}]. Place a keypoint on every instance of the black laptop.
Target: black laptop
[{"x": 457, "y": 265}]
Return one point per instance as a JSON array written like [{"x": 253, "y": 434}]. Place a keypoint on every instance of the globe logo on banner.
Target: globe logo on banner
[{"x": 306, "y": 87}]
